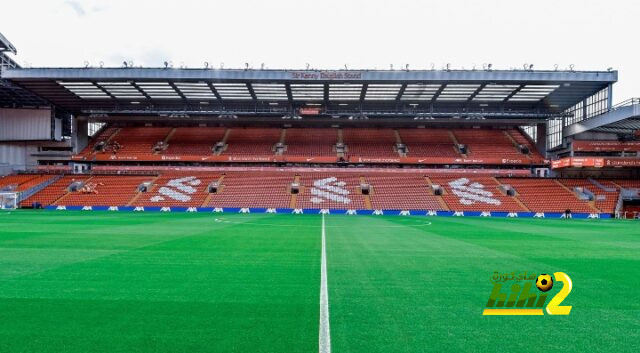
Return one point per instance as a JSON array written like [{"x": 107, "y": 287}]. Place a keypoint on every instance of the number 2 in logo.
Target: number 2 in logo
[{"x": 554, "y": 308}]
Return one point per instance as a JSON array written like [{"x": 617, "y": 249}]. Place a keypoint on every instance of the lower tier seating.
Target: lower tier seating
[
  {"x": 476, "y": 193},
  {"x": 605, "y": 201},
  {"x": 402, "y": 192},
  {"x": 253, "y": 189},
  {"x": 177, "y": 190},
  {"x": 16, "y": 182},
  {"x": 104, "y": 191},
  {"x": 330, "y": 190},
  {"x": 547, "y": 195},
  {"x": 325, "y": 189},
  {"x": 55, "y": 191}
]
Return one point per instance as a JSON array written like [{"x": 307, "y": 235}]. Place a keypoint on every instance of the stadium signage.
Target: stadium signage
[
  {"x": 606, "y": 146},
  {"x": 299, "y": 159},
  {"x": 521, "y": 299},
  {"x": 309, "y": 111},
  {"x": 582, "y": 162},
  {"x": 326, "y": 75},
  {"x": 439, "y": 160}
]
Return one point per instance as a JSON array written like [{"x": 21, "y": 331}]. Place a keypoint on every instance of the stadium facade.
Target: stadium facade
[{"x": 480, "y": 141}]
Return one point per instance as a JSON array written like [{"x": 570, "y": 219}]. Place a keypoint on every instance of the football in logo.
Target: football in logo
[{"x": 544, "y": 282}]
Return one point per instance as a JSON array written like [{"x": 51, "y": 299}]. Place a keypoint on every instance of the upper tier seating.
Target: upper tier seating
[
  {"x": 103, "y": 135},
  {"x": 370, "y": 142},
  {"x": 401, "y": 192},
  {"x": 428, "y": 143},
  {"x": 475, "y": 193},
  {"x": 311, "y": 142},
  {"x": 330, "y": 190},
  {"x": 484, "y": 143},
  {"x": 253, "y": 189},
  {"x": 105, "y": 191},
  {"x": 139, "y": 140},
  {"x": 519, "y": 137},
  {"x": 194, "y": 140},
  {"x": 546, "y": 195},
  {"x": 252, "y": 141},
  {"x": 177, "y": 189}
]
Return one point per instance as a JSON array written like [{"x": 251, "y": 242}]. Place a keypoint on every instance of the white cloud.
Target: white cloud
[
  {"x": 592, "y": 35},
  {"x": 77, "y": 7}
]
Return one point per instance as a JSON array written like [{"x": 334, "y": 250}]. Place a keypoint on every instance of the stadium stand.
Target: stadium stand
[
  {"x": 139, "y": 140},
  {"x": 103, "y": 136},
  {"x": 476, "y": 193},
  {"x": 358, "y": 139},
  {"x": 176, "y": 189},
  {"x": 370, "y": 142},
  {"x": 311, "y": 142},
  {"x": 252, "y": 141},
  {"x": 483, "y": 143},
  {"x": 54, "y": 192},
  {"x": 627, "y": 184},
  {"x": 330, "y": 190},
  {"x": 604, "y": 201},
  {"x": 194, "y": 140},
  {"x": 15, "y": 182},
  {"x": 402, "y": 192},
  {"x": 104, "y": 190},
  {"x": 521, "y": 139},
  {"x": 428, "y": 142},
  {"x": 251, "y": 189},
  {"x": 547, "y": 195}
]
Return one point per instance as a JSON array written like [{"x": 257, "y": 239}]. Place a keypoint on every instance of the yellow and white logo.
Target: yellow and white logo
[{"x": 521, "y": 300}]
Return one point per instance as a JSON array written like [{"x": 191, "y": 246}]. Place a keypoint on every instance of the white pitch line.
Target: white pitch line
[{"x": 325, "y": 336}]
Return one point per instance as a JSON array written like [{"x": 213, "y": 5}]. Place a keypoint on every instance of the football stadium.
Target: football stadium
[{"x": 212, "y": 209}]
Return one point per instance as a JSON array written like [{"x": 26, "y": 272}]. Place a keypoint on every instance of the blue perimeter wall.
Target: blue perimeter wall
[{"x": 333, "y": 211}]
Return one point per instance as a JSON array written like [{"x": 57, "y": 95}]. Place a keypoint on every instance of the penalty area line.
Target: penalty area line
[{"x": 324, "y": 335}]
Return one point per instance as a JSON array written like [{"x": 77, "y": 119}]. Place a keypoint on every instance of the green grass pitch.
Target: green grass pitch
[{"x": 131, "y": 282}]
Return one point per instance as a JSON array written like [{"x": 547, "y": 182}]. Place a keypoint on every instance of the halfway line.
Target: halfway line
[{"x": 324, "y": 337}]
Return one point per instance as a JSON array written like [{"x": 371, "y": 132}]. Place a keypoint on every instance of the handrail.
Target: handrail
[{"x": 625, "y": 103}]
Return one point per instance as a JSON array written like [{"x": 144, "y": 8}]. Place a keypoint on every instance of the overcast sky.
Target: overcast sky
[{"x": 327, "y": 34}]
